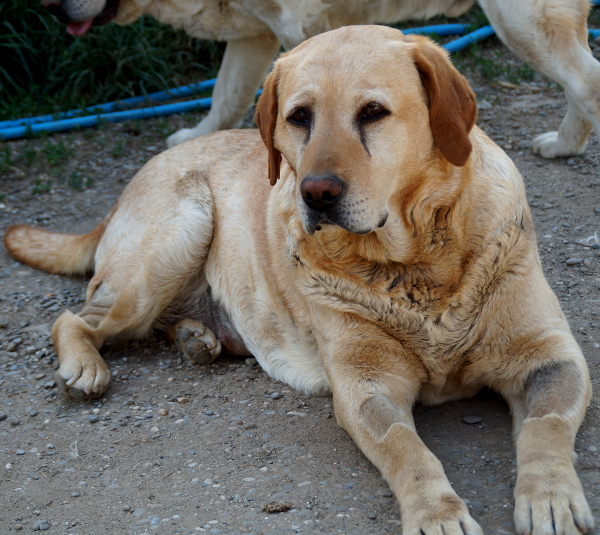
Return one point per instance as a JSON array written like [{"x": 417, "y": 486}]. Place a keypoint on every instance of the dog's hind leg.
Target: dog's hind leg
[
  {"x": 547, "y": 412},
  {"x": 552, "y": 38},
  {"x": 245, "y": 64},
  {"x": 152, "y": 252}
]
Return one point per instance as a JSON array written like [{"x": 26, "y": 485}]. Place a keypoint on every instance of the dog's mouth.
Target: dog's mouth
[
  {"x": 79, "y": 28},
  {"x": 316, "y": 222}
]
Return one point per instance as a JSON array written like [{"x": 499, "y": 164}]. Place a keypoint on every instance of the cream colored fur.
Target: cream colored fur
[{"x": 418, "y": 279}]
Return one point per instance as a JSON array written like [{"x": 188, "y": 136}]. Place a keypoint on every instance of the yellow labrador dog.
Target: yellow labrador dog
[
  {"x": 550, "y": 35},
  {"x": 392, "y": 258}
]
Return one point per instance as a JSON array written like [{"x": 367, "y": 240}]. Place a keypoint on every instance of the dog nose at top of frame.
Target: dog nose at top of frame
[{"x": 321, "y": 192}]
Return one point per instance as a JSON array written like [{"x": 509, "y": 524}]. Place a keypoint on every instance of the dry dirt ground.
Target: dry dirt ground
[{"x": 182, "y": 450}]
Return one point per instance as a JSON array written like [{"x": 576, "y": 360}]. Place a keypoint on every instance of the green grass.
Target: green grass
[
  {"x": 41, "y": 185},
  {"x": 45, "y": 70},
  {"x": 77, "y": 182},
  {"x": 28, "y": 154},
  {"x": 119, "y": 149},
  {"x": 6, "y": 161},
  {"x": 56, "y": 153}
]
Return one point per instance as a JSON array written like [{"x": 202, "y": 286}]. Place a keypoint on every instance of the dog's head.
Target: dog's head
[
  {"x": 81, "y": 15},
  {"x": 358, "y": 113}
]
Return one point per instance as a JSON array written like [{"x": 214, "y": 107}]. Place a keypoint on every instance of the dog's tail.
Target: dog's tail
[{"x": 67, "y": 254}]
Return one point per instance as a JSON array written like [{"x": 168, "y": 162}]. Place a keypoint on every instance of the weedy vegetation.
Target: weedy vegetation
[{"x": 45, "y": 70}]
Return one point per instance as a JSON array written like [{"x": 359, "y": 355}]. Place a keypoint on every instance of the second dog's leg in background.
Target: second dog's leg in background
[
  {"x": 553, "y": 40},
  {"x": 244, "y": 66}
]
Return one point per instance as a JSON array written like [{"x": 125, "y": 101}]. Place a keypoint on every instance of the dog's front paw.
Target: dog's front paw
[
  {"x": 549, "y": 500},
  {"x": 83, "y": 380},
  {"x": 449, "y": 517},
  {"x": 196, "y": 342},
  {"x": 185, "y": 134},
  {"x": 551, "y": 145}
]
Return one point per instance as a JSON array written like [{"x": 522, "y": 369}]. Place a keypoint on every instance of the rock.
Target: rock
[
  {"x": 75, "y": 494},
  {"x": 275, "y": 395},
  {"x": 371, "y": 515},
  {"x": 573, "y": 261},
  {"x": 20, "y": 452},
  {"x": 472, "y": 419},
  {"x": 93, "y": 418},
  {"x": 484, "y": 105},
  {"x": 41, "y": 525},
  {"x": 163, "y": 412},
  {"x": 13, "y": 344},
  {"x": 3, "y": 417}
]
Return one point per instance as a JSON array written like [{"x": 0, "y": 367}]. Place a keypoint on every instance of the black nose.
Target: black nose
[{"x": 321, "y": 192}]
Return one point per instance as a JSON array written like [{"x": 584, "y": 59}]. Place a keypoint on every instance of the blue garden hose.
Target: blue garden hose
[
  {"x": 117, "y": 105},
  {"x": 113, "y": 111}
]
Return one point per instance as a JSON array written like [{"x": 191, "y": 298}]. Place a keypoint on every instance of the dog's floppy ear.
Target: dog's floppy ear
[
  {"x": 452, "y": 104},
  {"x": 266, "y": 119}
]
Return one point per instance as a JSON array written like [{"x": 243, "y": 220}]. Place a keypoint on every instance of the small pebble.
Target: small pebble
[
  {"x": 96, "y": 411},
  {"x": 15, "y": 422},
  {"x": 472, "y": 419},
  {"x": 20, "y": 452},
  {"x": 182, "y": 400},
  {"x": 18, "y": 527},
  {"x": 592, "y": 448},
  {"x": 93, "y": 418},
  {"x": 372, "y": 515},
  {"x": 75, "y": 494},
  {"x": 163, "y": 412},
  {"x": 275, "y": 395},
  {"x": 573, "y": 261},
  {"x": 41, "y": 525},
  {"x": 3, "y": 417}
]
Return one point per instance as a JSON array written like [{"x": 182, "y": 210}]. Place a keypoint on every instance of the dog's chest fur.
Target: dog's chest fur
[{"x": 439, "y": 312}]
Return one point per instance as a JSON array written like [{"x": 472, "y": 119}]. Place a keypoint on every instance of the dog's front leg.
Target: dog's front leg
[
  {"x": 549, "y": 498},
  {"x": 245, "y": 64},
  {"x": 374, "y": 389}
]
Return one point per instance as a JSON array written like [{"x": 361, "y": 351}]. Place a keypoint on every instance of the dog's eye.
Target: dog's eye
[
  {"x": 372, "y": 111},
  {"x": 300, "y": 117}
]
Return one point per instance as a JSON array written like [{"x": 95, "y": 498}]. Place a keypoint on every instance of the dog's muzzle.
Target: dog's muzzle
[{"x": 63, "y": 12}]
